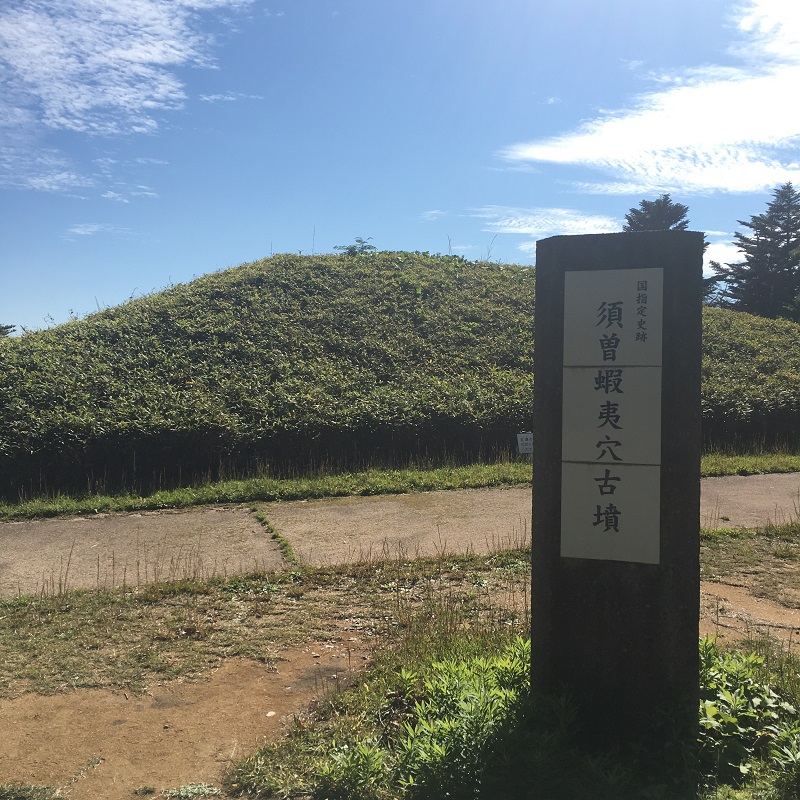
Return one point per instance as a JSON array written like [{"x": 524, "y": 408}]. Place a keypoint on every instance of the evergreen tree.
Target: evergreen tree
[
  {"x": 6, "y": 330},
  {"x": 767, "y": 282},
  {"x": 660, "y": 214}
]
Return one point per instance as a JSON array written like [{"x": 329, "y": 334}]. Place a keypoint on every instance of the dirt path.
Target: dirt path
[
  {"x": 729, "y": 611},
  {"x": 103, "y": 745}
]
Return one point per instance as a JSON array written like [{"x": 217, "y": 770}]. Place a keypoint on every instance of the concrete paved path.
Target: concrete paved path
[
  {"x": 107, "y": 550},
  {"x": 751, "y": 501}
]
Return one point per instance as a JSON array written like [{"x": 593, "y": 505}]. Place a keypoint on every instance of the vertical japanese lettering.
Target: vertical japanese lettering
[
  {"x": 607, "y": 484},
  {"x": 610, "y": 314},
  {"x": 641, "y": 311},
  {"x": 608, "y": 517},
  {"x": 608, "y": 346},
  {"x": 608, "y": 381}
]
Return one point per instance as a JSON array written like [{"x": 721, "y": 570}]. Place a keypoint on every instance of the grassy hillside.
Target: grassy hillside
[
  {"x": 751, "y": 380},
  {"x": 294, "y": 361},
  {"x": 285, "y": 361}
]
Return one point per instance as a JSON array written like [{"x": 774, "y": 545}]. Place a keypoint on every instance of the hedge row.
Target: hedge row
[
  {"x": 294, "y": 361},
  {"x": 286, "y": 361}
]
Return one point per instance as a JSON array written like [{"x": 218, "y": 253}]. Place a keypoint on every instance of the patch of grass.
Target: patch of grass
[
  {"x": 128, "y": 638},
  {"x": 20, "y": 792},
  {"x": 458, "y": 722},
  {"x": 191, "y": 791},
  {"x": 265, "y": 489},
  {"x": 716, "y": 535},
  {"x": 375, "y": 481},
  {"x": 718, "y": 464},
  {"x": 447, "y": 627},
  {"x": 786, "y": 551},
  {"x": 284, "y": 545},
  {"x": 764, "y": 559}
]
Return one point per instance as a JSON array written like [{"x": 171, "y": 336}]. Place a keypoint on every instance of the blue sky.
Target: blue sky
[{"x": 146, "y": 142}]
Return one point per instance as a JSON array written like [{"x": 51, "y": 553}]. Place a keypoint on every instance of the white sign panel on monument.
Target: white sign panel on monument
[{"x": 611, "y": 429}]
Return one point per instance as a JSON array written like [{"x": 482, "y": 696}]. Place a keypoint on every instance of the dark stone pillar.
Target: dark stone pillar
[{"x": 615, "y": 619}]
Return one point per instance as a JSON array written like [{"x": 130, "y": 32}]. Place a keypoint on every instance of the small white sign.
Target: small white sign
[{"x": 524, "y": 442}]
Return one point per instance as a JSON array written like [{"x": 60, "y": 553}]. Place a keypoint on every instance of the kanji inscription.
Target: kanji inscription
[{"x": 611, "y": 420}]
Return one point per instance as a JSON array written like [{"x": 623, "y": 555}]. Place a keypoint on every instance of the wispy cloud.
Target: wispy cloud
[
  {"x": 229, "y": 97},
  {"x": 704, "y": 130},
  {"x": 23, "y": 164},
  {"x": 125, "y": 193},
  {"x": 92, "y": 228},
  {"x": 432, "y": 215},
  {"x": 97, "y": 67},
  {"x": 538, "y": 223}
]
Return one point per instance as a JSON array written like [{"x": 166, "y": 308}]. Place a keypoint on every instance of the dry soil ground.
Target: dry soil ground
[{"x": 103, "y": 745}]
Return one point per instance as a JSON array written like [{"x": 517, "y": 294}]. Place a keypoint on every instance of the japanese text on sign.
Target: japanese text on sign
[{"x": 611, "y": 435}]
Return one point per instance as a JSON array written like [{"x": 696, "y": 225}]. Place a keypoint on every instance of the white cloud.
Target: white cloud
[
  {"x": 432, "y": 215},
  {"x": 229, "y": 97},
  {"x": 710, "y": 129},
  {"x": 98, "y": 67},
  {"x": 143, "y": 191},
  {"x": 539, "y": 223},
  {"x": 23, "y": 165},
  {"x": 721, "y": 252},
  {"x": 91, "y": 228},
  {"x": 542, "y": 222}
]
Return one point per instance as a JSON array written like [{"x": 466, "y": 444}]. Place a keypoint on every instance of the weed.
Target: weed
[
  {"x": 285, "y": 546},
  {"x": 20, "y": 792},
  {"x": 191, "y": 791}
]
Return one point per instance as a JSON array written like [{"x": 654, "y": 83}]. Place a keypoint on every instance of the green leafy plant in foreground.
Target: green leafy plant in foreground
[
  {"x": 439, "y": 732},
  {"x": 747, "y": 725},
  {"x": 469, "y": 728}
]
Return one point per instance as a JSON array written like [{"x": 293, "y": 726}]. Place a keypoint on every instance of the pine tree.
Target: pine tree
[
  {"x": 660, "y": 214},
  {"x": 767, "y": 281},
  {"x": 6, "y": 330}
]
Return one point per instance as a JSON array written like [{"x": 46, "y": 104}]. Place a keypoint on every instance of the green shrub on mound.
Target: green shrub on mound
[
  {"x": 286, "y": 361},
  {"x": 300, "y": 361},
  {"x": 751, "y": 380}
]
